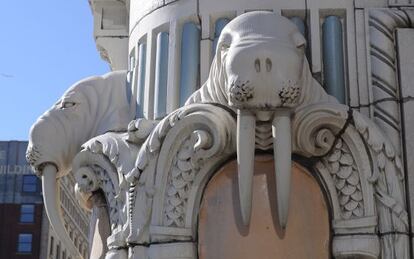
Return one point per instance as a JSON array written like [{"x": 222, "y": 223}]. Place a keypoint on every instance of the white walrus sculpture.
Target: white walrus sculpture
[
  {"x": 89, "y": 108},
  {"x": 260, "y": 70}
]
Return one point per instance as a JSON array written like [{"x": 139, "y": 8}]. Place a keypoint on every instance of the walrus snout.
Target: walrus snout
[
  {"x": 44, "y": 148},
  {"x": 261, "y": 78},
  {"x": 240, "y": 91},
  {"x": 264, "y": 65},
  {"x": 33, "y": 155}
]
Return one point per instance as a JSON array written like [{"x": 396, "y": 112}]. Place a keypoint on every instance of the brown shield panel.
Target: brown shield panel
[{"x": 222, "y": 236}]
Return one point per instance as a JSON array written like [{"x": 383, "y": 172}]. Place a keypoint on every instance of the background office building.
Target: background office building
[{"x": 25, "y": 231}]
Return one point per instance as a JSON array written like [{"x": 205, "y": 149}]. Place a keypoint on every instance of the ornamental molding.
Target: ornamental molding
[
  {"x": 357, "y": 165},
  {"x": 186, "y": 144},
  {"x": 400, "y": 3},
  {"x": 385, "y": 91}
]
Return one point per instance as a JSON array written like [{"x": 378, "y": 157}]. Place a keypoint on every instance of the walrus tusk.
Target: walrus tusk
[
  {"x": 282, "y": 146},
  {"x": 51, "y": 196},
  {"x": 246, "y": 127}
]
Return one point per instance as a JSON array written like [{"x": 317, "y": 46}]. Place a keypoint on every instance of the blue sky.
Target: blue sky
[{"x": 45, "y": 47}]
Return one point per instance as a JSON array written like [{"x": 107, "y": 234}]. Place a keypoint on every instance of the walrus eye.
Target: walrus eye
[
  {"x": 225, "y": 41},
  {"x": 66, "y": 105},
  {"x": 225, "y": 46}
]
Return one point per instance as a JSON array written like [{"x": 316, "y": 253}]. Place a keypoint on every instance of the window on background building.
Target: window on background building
[
  {"x": 64, "y": 255},
  {"x": 2, "y": 154},
  {"x": 24, "y": 244},
  {"x": 27, "y": 213},
  {"x": 51, "y": 245},
  {"x": 58, "y": 252},
  {"x": 29, "y": 183}
]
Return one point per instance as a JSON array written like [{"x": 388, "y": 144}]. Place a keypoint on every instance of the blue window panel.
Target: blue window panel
[
  {"x": 190, "y": 60},
  {"x": 24, "y": 244},
  {"x": 29, "y": 183},
  {"x": 130, "y": 75},
  {"x": 142, "y": 56},
  {"x": 161, "y": 76},
  {"x": 220, "y": 24},
  {"x": 128, "y": 92},
  {"x": 333, "y": 58},
  {"x": 27, "y": 212},
  {"x": 299, "y": 23}
]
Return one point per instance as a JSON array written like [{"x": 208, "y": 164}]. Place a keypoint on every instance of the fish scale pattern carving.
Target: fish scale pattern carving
[{"x": 345, "y": 175}]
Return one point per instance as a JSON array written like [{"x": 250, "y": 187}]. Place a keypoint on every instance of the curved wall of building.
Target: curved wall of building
[{"x": 149, "y": 18}]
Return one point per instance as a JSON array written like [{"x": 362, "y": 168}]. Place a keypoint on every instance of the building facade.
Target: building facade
[
  {"x": 21, "y": 204},
  {"x": 25, "y": 229},
  {"x": 76, "y": 223},
  {"x": 257, "y": 125}
]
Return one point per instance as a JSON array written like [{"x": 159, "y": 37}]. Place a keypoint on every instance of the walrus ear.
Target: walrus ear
[{"x": 299, "y": 40}]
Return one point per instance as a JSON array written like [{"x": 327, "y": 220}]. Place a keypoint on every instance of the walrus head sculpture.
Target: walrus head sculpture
[
  {"x": 89, "y": 108},
  {"x": 260, "y": 70}
]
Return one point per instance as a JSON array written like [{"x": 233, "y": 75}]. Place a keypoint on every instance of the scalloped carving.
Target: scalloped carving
[{"x": 345, "y": 175}]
